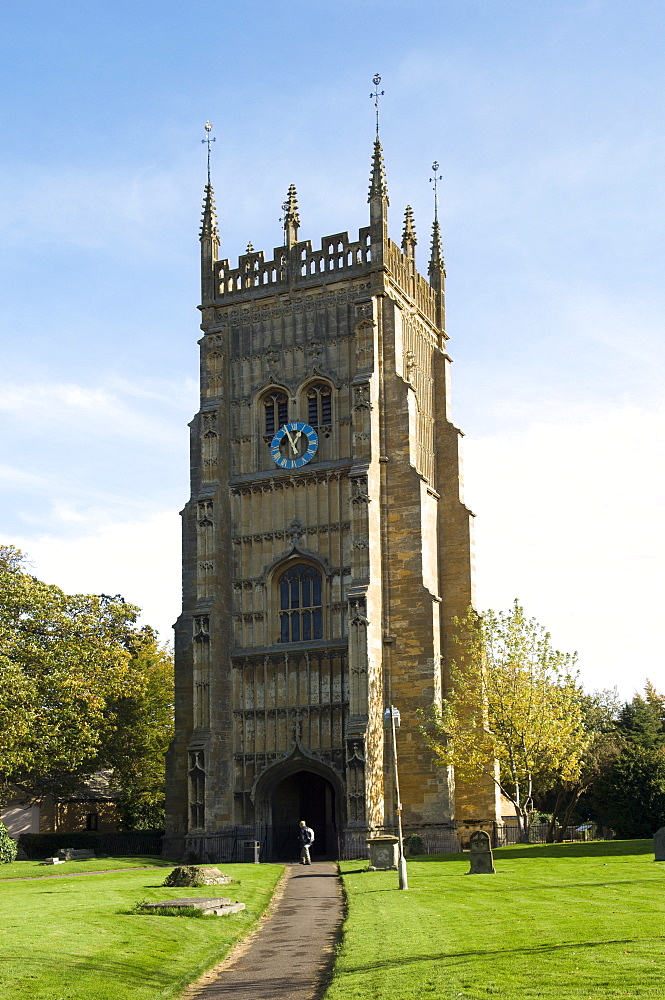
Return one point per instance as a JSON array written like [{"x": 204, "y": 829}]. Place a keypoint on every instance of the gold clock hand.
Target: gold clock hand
[{"x": 291, "y": 441}]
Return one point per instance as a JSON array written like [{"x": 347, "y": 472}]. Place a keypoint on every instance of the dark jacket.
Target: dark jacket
[{"x": 306, "y": 835}]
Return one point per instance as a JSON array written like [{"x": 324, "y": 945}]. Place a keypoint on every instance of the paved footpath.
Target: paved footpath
[{"x": 290, "y": 955}]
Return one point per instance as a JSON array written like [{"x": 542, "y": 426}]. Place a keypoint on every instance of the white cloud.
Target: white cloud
[
  {"x": 570, "y": 521},
  {"x": 107, "y": 409},
  {"x": 10, "y": 474},
  {"x": 139, "y": 559}
]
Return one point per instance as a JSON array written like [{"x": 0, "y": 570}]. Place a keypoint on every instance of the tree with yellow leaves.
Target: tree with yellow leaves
[{"x": 512, "y": 711}]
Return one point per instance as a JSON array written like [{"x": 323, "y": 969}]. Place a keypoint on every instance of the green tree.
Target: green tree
[
  {"x": 137, "y": 731},
  {"x": 63, "y": 659},
  {"x": 630, "y": 797},
  {"x": 513, "y": 711},
  {"x": 11, "y": 558},
  {"x": 657, "y": 703},
  {"x": 599, "y": 712},
  {"x": 640, "y": 721},
  {"x": 8, "y": 846}
]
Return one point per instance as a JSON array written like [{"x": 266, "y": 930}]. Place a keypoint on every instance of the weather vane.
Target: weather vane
[
  {"x": 376, "y": 95},
  {"x": 208, "y": 140},
  {"x": 434, "y": 180}
]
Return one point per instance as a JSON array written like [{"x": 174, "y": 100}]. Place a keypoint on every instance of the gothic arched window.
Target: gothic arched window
[
  {"x": 277, "y": 411},
  {"x": 301, "y": 604},
  {"x": 319, "y": 405}
]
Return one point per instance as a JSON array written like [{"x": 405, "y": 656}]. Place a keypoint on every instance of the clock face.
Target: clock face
[{"x": 294, "y": 445}]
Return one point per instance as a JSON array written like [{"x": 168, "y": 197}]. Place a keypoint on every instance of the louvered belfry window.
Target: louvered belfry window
[
  {"x": 277, "y": 411},
  {"x": 301, "y": 606},
  {"x": 319, "y": 405}
]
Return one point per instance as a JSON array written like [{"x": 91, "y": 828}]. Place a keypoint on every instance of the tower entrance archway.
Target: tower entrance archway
[
  {"x": 308, "y": 796},
  {"x": 300, "y": 789}
]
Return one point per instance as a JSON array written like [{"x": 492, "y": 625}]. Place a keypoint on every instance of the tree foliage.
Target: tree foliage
[
  {"x": 11, "y": 558},
  {"x": 514, "y": 700},
  {"x": 630, "y": 796},
  {"x": 642, "y": 720},
  {"x": 599, "y": 712},
  {"x": 8, "y": 846},
  {"x": 75, "y": 670},
  {"x": 139, "y": 728}
]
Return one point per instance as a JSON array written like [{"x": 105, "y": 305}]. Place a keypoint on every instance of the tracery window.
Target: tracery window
[
  {"x": 276, "y": 410},
  {"x": 197, "y": 780},
  {"x": 319, "y": 405},
  {"x": 301, "y": 604}
]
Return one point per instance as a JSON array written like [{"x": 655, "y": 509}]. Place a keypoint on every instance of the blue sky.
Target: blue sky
[{"x": 547, "y": 121}]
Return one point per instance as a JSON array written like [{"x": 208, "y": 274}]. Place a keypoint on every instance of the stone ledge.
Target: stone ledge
[{"x": 219, "y": 906}]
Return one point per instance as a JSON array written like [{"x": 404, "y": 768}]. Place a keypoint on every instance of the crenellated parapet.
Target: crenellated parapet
[
  {"x": 295, "y": 266},
  {"x": 299, "y": 267}
]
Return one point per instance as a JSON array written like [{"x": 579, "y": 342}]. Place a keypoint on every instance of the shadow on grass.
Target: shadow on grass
[
  {"x": 534, "y": 950},
  {"x": 595, "y": 849},
  {"x": 160, "y": 980}
]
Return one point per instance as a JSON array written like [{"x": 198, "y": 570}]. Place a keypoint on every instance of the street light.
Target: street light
[{"x": 391, "y": 720}]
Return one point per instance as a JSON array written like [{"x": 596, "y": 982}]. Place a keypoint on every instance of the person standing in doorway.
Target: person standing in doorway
[{"x": 306, "y": 838}]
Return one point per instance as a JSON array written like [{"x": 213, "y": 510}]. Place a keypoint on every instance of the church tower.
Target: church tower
[{"x": 326, "y": 546}]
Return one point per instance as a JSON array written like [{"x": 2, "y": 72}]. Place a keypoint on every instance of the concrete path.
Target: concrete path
[{"x": 290, "y": 955}]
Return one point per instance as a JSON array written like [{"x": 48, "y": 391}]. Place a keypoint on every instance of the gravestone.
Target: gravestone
[
  {"x": 480, "y": 850},
  {"x": 659, "y": 844},
  {"x": 52, "y": 861},
  {"x": 219, "y": 906},
  {"x": 74, "y": 854}
]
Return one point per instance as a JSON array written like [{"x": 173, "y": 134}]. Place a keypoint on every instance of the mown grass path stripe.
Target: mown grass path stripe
[{"x": 108, "y": 871}]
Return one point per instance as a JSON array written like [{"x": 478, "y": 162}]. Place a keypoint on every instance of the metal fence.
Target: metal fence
[
  {"x": 141, "y": 842},
  {"x": 354, "y": 845},
  {"x": 225, "y": 847},
  {"x": 508, "y": 833},
  {"x": 279, "y": 843}
]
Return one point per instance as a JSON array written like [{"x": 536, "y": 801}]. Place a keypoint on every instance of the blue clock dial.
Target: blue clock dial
[{"x": 294, "y": 445}]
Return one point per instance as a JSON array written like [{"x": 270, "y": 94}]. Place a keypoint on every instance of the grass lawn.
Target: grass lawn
[
  {"x": 557, "y": 922},
  {"x": 72, "y": 937},
  {"x": 35, "y": 869}
]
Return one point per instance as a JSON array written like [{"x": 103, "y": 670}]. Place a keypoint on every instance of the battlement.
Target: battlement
[
  {"x": 406, "y": 277},
  {"x": 301, "y": 265},
  {"x": 294, "y": 265}
]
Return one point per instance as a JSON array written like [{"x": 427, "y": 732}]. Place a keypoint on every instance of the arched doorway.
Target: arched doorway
[{"x": 304, "y": 795}]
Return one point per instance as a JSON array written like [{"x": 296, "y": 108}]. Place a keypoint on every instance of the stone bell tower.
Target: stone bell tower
[{"x": 326, "y": 546}]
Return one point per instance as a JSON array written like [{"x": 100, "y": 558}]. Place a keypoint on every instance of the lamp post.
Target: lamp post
[{"x": 391, "y": 719}]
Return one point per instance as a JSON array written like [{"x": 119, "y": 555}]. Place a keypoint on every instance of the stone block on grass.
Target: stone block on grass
[
  {"x": 219, "y": 906},
  {"x": 659, "y": 844},
  {"x": 193, "y": 876}
]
